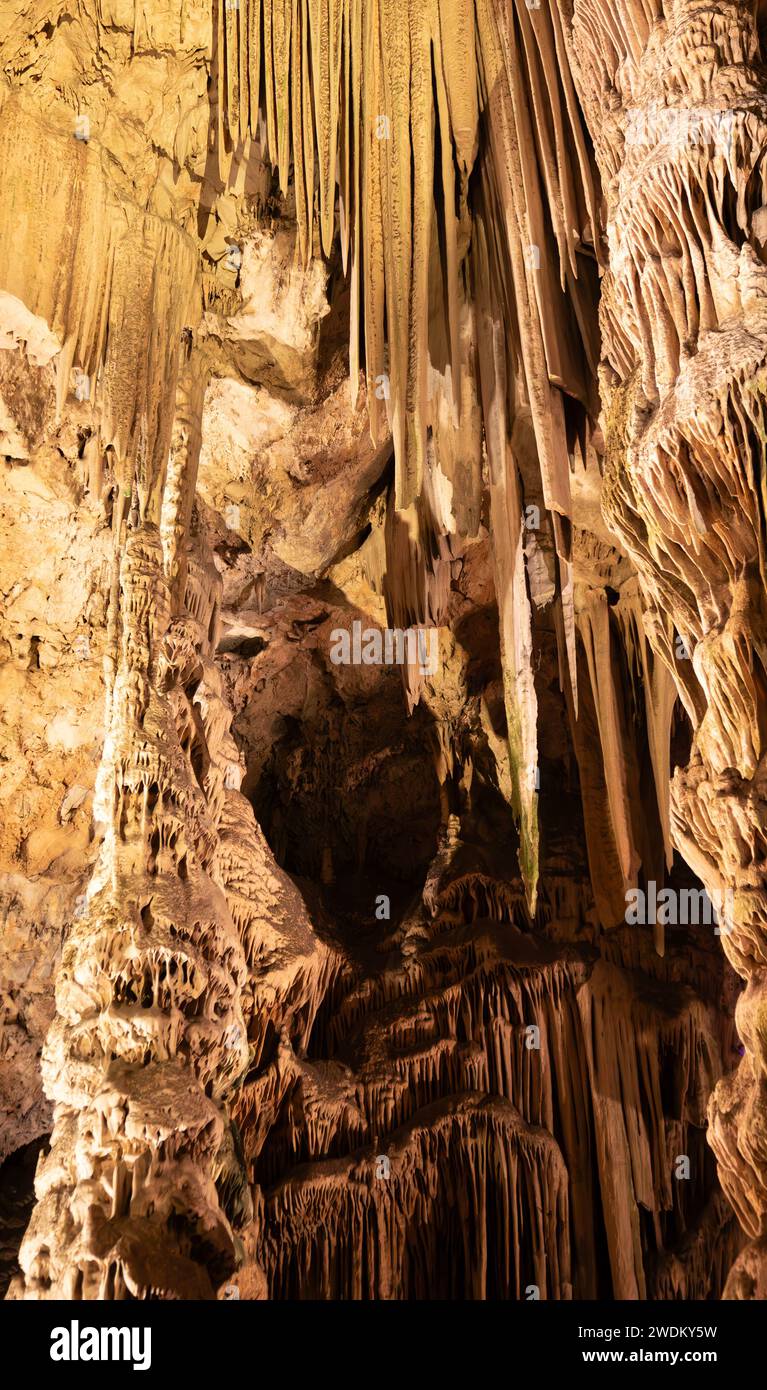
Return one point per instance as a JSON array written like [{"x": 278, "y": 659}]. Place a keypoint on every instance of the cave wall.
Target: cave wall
[{"x": 316, "y": 972}]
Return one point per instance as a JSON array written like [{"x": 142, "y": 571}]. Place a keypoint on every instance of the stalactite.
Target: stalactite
[
  {"x": 508, "y": 550},
  {"x": 703, "y": 1257},
  {"x": 407, "y": 253},
  {"x": 594, "y": 627},
  {"x": 471, "y": 1169},
  {"x": 456, "y": 1017},
  {"x": 128, "y": 290}
]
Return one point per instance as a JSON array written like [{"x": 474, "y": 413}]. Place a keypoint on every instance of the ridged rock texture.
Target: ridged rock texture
[{"x": 318, "y": 319}]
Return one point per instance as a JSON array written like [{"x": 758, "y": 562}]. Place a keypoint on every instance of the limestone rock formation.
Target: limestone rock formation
[{"x": 382, "y": 649}]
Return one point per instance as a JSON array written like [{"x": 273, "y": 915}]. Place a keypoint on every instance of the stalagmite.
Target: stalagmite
[{"x": 149, "y": 1035}]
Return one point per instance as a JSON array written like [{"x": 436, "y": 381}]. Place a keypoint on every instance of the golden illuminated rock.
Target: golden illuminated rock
[{"x": 320, "y": 318}]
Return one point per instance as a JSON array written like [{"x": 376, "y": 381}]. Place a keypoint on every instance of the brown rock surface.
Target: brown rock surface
[{"x": 324, "y": 328}]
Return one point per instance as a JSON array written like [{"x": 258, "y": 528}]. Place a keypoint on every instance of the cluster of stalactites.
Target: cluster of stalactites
[
  {"x": 358, "y": 97},
  {"x": 472, "y": 1201},
  {"x": 544, "y": 1029},
  {"x": 381, "y": 109},
  {"x": 119, "y": 309}
]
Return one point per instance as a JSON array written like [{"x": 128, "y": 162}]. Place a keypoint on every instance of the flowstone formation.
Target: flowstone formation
[
  {"x": 677, "y": 101},
  {"x": 381, "y": 671}
]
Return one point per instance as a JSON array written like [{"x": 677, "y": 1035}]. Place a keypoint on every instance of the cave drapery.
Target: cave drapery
[{"x": 525, "y": 247}]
